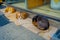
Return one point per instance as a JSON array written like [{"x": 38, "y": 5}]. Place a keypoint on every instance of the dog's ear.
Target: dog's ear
[
  {"x": 34, "y": 20},
  {"x": 24, "y": 15}
]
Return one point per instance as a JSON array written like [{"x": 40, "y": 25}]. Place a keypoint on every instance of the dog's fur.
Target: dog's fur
[{"x": 44, "y": 25}]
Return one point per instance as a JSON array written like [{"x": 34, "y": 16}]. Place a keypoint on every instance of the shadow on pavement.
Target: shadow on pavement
[
  {"x": 2, "y": 6},
  {"x": 3, "y": 20}
]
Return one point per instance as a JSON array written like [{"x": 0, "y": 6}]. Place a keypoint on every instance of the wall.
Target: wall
[{"x": 34, "y": 3}]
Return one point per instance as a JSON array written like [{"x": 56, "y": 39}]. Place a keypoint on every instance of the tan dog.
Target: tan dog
[{"x": 10, "y": 9}]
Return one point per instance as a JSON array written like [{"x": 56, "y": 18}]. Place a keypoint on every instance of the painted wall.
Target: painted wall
[{"x": 34, "y": 3}]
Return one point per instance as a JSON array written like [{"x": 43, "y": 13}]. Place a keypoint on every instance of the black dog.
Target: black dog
[{"x": 40, "y": 22}]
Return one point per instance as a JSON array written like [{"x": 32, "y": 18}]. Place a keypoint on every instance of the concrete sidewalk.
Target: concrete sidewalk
[{"x": 13, "y": 32}]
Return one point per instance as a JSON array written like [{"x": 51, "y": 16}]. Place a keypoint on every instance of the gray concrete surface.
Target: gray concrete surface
[{"x": 13, "y": 32}]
